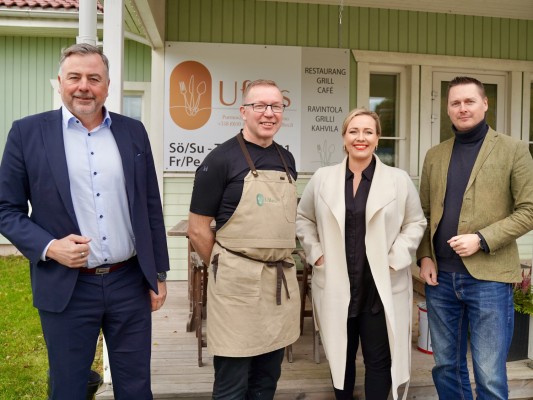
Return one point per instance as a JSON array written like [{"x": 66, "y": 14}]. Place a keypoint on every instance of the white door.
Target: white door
[{"x": 495, "y": 89}]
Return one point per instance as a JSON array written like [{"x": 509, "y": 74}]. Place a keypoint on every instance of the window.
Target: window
[
  {"x": 388, "y": 90},
  {"x": 384, "y": 101},
  {"x": 132, "y": 106}
]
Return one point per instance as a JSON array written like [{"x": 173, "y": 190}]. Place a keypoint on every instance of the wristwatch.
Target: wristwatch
[
  {"x": 482, "y": 244},
  {"x": 162, "y": 276}
]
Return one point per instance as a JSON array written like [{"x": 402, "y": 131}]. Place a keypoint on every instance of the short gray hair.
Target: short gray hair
[{"x": 83, "y": 49}]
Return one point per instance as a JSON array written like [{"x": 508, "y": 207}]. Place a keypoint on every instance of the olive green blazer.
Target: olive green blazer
[{"x": 498, "y": 202}]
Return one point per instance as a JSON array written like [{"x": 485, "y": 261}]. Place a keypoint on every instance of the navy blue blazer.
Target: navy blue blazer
[{"x": 34, "y": 169}]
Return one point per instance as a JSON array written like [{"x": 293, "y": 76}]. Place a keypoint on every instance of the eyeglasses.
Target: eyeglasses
[{"x": 261, "y": 108}]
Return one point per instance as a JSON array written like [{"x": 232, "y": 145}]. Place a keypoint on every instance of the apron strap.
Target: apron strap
[
  {"x": 215, "y": 266},
  {"x": 247, "y": 154},
  {"x": 284, "y": 163},
  {"x": 280, "y": 274},
  {"x": 280, "y": 278},
  {"x": 251, "y": 164}
]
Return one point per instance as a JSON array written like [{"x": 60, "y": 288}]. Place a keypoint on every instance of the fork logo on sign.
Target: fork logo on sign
[{"x": 190, "y": 95}]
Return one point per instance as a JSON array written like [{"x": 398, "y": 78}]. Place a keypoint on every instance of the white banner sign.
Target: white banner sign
[
  {"x": 203, "y": 91},
  {"x": 325, "y": 102}
]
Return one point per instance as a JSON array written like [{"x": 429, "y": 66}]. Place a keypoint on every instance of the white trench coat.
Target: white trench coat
[{"x": 395, "y": 224}]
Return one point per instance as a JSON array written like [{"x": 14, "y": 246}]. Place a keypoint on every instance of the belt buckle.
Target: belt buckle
[{"x": 102, "y": 270}]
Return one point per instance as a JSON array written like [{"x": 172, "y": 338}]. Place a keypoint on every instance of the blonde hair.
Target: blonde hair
[
  {"x": 257, "y": 82},
  {"x": 361, "y": 111}
]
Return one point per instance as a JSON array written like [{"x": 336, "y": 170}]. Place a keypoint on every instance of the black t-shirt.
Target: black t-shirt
[{"x": 220, "y": 178}]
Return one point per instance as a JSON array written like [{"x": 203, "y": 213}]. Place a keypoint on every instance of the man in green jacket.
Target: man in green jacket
[{"x": 477, "y": 193}]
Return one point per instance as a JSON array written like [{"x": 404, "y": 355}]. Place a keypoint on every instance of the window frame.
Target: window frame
[
  {"x": 140, "y": 89},
  {"x": 404, "y": 87},
  {"x": 400, "y": 137}
]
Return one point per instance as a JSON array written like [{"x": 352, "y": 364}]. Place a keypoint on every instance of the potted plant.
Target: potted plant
[
  {"x": 523, "y": 297},
  {"x": 523, "y": 306}
]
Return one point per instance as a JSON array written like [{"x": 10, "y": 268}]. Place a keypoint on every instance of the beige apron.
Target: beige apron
[{"x": 253, "y": 300}]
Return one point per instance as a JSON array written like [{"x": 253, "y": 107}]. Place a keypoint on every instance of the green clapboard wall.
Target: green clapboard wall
[{"x": 314, "y": 25}]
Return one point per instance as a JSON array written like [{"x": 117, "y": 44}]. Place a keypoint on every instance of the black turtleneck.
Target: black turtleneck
[{"x": 465, "y": 151}]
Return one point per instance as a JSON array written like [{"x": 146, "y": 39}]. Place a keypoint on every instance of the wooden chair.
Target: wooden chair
[
  {"x": 199, "y": 299},
  {"x": 306, "y": 289},
  {"x": 305, "y": 293}
]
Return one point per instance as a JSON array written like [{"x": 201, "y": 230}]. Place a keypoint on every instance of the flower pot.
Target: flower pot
[{"x": 519, "y": 344}]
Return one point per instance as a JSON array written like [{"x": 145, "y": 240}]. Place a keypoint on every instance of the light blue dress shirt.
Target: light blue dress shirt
[{"x": 98, "y": 190}]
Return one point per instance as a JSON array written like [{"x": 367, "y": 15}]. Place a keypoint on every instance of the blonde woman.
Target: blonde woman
[{"x": 360, "y": 223}]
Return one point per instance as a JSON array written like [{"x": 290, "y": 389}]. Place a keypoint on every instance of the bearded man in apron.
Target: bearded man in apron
[{"x": 247, "y": 184}]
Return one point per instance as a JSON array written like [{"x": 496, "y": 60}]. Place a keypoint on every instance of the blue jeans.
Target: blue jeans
[{"x": 458, "y": 303}]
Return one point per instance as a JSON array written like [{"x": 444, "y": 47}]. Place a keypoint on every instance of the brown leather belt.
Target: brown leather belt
[{"x": 105, "y": 268}]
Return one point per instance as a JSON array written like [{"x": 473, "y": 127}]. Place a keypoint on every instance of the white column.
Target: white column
[
  {"x": 114, "y": 50},
  {"x": 157, "y": 137},
  {"x": 87, "y": 22}
]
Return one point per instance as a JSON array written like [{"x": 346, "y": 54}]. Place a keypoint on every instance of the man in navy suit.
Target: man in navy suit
[{"x": 94, "y": 235}]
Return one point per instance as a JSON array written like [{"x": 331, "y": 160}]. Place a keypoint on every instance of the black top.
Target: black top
[
  {"x": 364, "y": 295},
  {"x": 219, "y": 179},
  {"x": 464, "y": 154}
]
